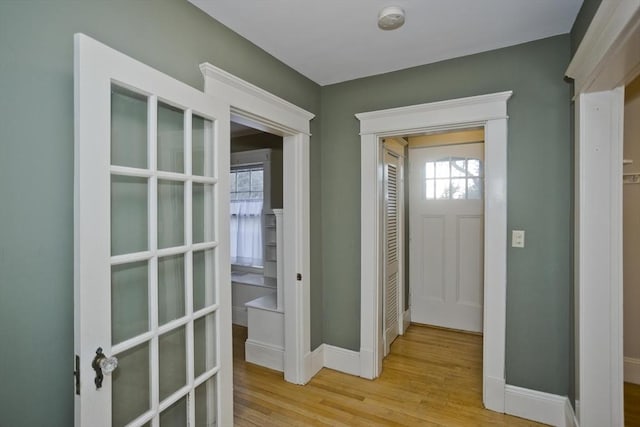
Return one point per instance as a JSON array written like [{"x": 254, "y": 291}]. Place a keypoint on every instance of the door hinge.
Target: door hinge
[
  {"x": 76, "y": 374},
  {"x": 298, "y": 276}
]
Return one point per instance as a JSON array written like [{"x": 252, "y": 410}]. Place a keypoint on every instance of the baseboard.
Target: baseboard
[
  {"x": 632, "y": 370},
  {"x": 343, "y": 360},
  {"x": 535, "y": 405},
  {"x": 239, "y": 316},
  {"x": 406, "y": 320},
  {"x": 493, "y": 396},
  {"x": 570, "y": 419},
  {"x": 264, "y": 354},
  {"x": 367, "y": 359},
  {"x": 317, "y": 360}
]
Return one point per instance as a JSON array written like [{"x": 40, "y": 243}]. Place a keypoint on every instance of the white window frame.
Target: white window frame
[
  {"x": 261, "y": 158},
  {"x": 254, "y": 268},
  {"x": 489, "y": 112},
  {"x": 464, "y": 177}
]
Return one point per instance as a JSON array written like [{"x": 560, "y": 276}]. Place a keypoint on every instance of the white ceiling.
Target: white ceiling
[{"x": 331, "y": 41}]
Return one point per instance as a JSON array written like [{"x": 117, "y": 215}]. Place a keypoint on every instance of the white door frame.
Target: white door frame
[
  {"x": 606, "y": 60},
  {"x": 490, "y": 112},
  {"x": 259, "y": 109}
]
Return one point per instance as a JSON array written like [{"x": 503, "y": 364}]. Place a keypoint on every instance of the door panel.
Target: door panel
[
  {"x": 470, "y": 271},
  {"x": 151, "y": 183},
  {"x": 432, "y": 285},
  {"x": 446, "y": 236}
]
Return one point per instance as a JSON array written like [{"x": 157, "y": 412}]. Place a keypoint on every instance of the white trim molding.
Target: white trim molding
[
  {"x": 336, "y": 358},
  {"x": 239, "y": 315},
  {"x": 255, "y": 103},
  {"x": 257, "y": 108},
  {"x": 264, "y": 354},
  {"x": 341, "y": 359},
  {"x": 570, "y": 419},
  {"x": 537, "y": 406},
  {"x": 317, "y": 359},
  {"x": 599, "y": 257},
  {"x": 608, "y": 54},
  {"x": 490, "y": 112},
  {"x": 406, "y": 320},
  {"x": 632, "y": 370}
]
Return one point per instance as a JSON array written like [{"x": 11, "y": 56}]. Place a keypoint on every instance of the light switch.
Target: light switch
[{"x": 517, "y": 238}]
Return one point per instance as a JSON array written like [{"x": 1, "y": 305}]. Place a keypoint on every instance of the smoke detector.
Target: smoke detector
[{"x": 390, "y": 18}]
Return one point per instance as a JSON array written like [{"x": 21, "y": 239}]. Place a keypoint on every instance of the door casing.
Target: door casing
[
  {"x": 489, "y": 112},
  {"x": 606, "y": 60},
  {"x": 257, "y": 108}
]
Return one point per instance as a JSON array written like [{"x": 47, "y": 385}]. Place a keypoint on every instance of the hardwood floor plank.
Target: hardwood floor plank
[
  {"x": 631, "y": 405},
  {"x": 433, "y": 377}
]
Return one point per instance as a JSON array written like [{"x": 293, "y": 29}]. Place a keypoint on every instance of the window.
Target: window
[
  {"x": 247, "y": 183},
  {"x": 454, "y": 178}
]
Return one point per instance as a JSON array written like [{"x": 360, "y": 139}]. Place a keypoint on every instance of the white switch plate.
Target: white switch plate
[{"x": 517, "y": 238}]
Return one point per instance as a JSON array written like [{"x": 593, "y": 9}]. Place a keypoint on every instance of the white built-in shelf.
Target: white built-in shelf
[
  {"x": 268, "y": 302},
  {"x": 631, "y": 178}
]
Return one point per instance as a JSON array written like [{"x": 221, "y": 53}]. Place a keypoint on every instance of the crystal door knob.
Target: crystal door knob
[
  {"x": 103, "y": 365},
  {"x": 108, "y": 364}
]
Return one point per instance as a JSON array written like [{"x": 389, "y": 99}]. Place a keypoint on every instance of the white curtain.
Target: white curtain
[{"x": 246, "y": 232}]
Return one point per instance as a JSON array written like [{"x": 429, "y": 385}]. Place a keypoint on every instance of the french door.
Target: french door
[{"x": 152, "y": 316}]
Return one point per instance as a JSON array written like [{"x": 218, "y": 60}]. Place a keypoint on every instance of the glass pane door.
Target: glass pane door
[{"x": 164, "y": 302}]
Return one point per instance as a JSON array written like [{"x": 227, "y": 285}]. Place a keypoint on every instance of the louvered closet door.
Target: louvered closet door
[{"x": 391, "y": 239}]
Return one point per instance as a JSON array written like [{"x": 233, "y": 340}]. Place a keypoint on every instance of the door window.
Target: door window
[{"x": 453, "y": 178}]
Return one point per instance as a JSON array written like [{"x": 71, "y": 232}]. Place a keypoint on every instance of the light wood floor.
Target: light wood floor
[
  {"x": 631, "y": 405},
  {"x": 432, "y": 377}
]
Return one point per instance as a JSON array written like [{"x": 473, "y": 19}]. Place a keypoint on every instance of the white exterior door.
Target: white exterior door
[
  {"x": 152, "y": 285},
  {"x": 446, "y": 235},
  {"x": 392, "y": 320}
]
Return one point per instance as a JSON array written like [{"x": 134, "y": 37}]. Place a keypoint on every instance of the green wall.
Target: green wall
[
  {"x": 539, "y": 195},
  {"x": 36, "y": 169},
  {"x": 582, "y": 22}
]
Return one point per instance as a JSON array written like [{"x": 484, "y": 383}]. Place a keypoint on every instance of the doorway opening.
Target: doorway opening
[
  {"x": 488, "y": 112},
  {"x": 252, "y": 106},
  {"x": 631, "y": 252},
  {"x": 446, "y": 229},
  {"x": 256, "y": 243}
]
